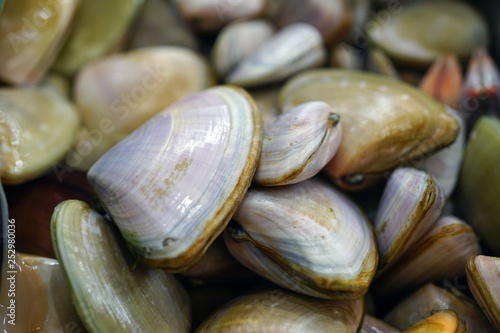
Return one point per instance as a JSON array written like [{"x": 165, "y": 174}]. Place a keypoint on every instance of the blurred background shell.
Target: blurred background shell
[
  {"x": 32, "y": 140},
  {"x": 99, "y": 27},
  {"x": 31, "y": 35},
  {"x": 332, "y": 18},
  {"x": 410, "y": 39},
  {"x": 212, "y": 15},
  {"x": 159, "y": 23},
  {"x": 117, "y": 94}
]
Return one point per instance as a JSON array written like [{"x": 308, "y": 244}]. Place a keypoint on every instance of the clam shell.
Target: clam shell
[
  {"x": 431, "y": 298},
  {"x": 409, "y": 39},
  {"x": 483, "y": 278},
  {"x": 212, "y": 15},
  {"x": 392, "y": 122},
  {"x": 444, "y": 321},
  {"x": 174, "y": 183},
  {"x": 281, "y": 311},
  {"x": 346, "y": 56},
  {"x": 374, "y": 325},
  {"x": 217, "y": 265},
  {"x": 113, "y": 104},
  {"x": 296, "y": 47},
  {"x": 443, "y": 80},
  {"x": 440, "y": 254},
  {"x": 31, "y": 138},
  {"x": 307, "y": 237},
  {"x": 379, "y": 62},
  {"x": 266, "y": 100},
  {"x": 237, "y": 41},
  {"x": 93, "y": 35},
  {"x": 298, "y": 144},
  {"x": 481, "y": 92},
  {"x": 159, "y": 23},
  {"x": 444, "y": 165},
  {"x": 479, "y": 185},
  {"x": 109, "y": 292},
  {"x": 332, "y": 18},
  {"x": 410, "y": 204},
  {"x": 42, "y": 297},
  {"x": 31, "y": 34}
]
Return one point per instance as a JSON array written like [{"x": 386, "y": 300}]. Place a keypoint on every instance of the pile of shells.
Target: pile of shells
[{"x": 256, "y": 166}]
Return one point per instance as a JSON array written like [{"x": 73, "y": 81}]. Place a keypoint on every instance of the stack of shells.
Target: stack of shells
[{"x": 257, "y": 166}]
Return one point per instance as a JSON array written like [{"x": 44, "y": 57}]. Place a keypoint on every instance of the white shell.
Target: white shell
[
  {"x": 445, "y": 164},
  {"x": 297, "y": 47},
  {"x": 307, "y": 237},
  {"x": 410, "y": 204},
  {"x": 174, "y": 183},
  {"x": 298, "y": 144},
  {"x": 238, "y": 40}
]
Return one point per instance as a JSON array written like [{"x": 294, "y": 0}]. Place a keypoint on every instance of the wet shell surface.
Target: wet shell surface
[
  {"x": 440, "y": 254},
  {"x": 483, "y": 277},
  {"x": 110, "y": 291},
  {"x": 479, "y": 184},
  {"x": 444, "y": 321},
  {"x": 31, "y": 138},
  {"x": 280, "y": 311},
  {"x": 410, "y": 204},
  {"x": 298, "y": 144},
  {"x": 307, "y": 237},
  {"x": 31, "y": 34},
  {"x": 42, "y": 297},
  {"x": 295, "y": 48},
  {"x": 173, "y": 184},
  {"x": 384, "y": 122},
  {"x": 113, "y": 103},
  {"x": 430, "y": 298},
  {"x": 410, "y": 39},
  {"x": 374, "y": 325}
]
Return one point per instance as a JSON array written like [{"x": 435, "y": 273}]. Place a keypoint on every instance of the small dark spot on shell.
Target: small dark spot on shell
[
  {"x": 168, "y": 240},
  {"x": 354, "y": 179}
]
